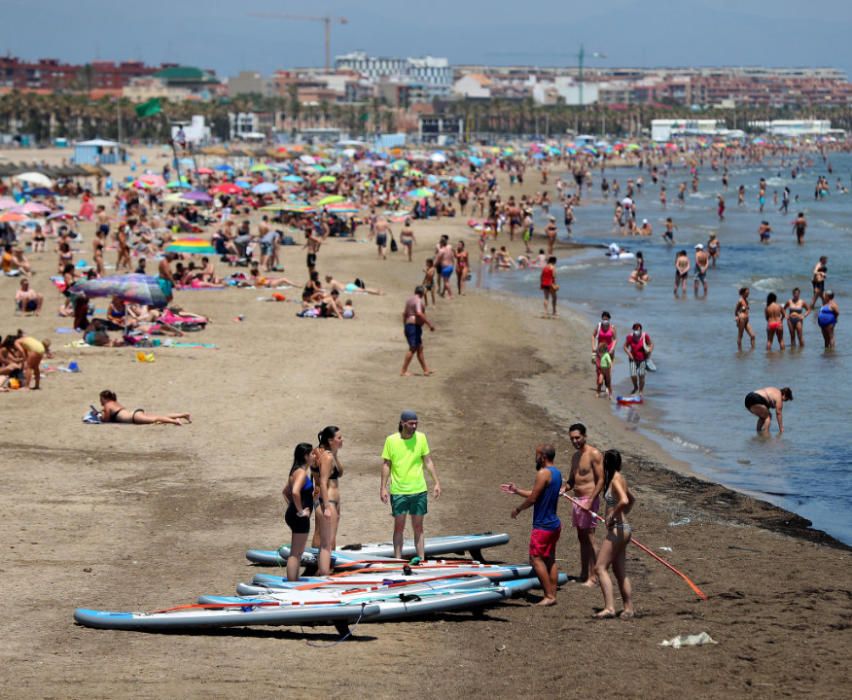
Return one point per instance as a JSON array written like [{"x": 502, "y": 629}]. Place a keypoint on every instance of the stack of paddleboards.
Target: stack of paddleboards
[{"x": 366, "y": 586}]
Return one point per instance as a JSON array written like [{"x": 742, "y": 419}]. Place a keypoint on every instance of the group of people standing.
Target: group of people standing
[
  {"x": 313, "y": 488},
  {"x": 591, "y": 474}
]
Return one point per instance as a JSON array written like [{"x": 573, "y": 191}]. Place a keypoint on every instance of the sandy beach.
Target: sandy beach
[{"x": 138, "y": 518}]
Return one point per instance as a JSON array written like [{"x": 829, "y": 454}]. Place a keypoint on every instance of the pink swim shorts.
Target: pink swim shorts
[{"x": 581, "y": 518}]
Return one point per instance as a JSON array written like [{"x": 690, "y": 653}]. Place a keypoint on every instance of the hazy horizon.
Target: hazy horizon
[{"x": 712, "y": 33}]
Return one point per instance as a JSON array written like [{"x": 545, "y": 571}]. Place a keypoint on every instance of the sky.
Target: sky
[{"x": 225, "y": 37}]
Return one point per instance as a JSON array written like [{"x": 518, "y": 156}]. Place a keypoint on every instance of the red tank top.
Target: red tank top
[
  {"x": 547, "y": 276},
  {"x": 637, "y": 346}
]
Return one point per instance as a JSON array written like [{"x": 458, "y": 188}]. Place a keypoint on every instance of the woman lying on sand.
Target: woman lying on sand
[{"x": 114, "y": 412}]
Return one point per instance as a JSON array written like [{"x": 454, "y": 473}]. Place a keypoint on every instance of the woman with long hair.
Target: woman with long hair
[
  {"x": 299, "y": 495},
  {"x": 328, "y": 471},
  {"x": 618, "y": 501}
]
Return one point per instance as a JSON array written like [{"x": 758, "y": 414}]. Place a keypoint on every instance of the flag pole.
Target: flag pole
[{"x": 701, "y": 594}]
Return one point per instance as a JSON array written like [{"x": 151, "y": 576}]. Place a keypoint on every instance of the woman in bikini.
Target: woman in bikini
[
  {"x": 774, "y": 321},
  {"x": 797, "y": 311},
  {"x": 114, "y": 412},
  {"x": 98, "y": 246},
  {"x": 618, "y": 501},
  {"x": 761, "y": 402},
  {"x": 329, "y": 471},
  {"x": 462, "y": 266},
  {"x": 299, "y": 495},
  {"x": 741, "y": 316}
]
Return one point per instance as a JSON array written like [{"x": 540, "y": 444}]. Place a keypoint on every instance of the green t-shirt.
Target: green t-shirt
[{"x": 406, "y": 459}]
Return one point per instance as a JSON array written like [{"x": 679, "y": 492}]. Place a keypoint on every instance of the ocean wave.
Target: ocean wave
[
  {"x": 769, "y": 284},
  {"x": 776, "y": 182}
]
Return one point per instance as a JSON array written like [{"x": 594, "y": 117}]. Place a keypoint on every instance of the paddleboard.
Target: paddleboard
[
  {"x": 629, "y": 400},
  {"x": 225, "y": 616},
  {"x": 434, "y": 546}
]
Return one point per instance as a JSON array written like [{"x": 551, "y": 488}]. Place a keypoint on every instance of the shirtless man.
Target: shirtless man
[
  {"x": 383, "y": 230},
  {"x": 413, "y": 320},
  {"x": 668, "y": 234},
  {"x": 702, "y": 263},
  {"x": 586, "y": 479},
  {"x": 682, "y": 266},
  {"x": 165, "y": 277},
  {"x": 800, "y": 225},
  {"x": 445, "y": 262},
  {"x": 312, "y": 243}
]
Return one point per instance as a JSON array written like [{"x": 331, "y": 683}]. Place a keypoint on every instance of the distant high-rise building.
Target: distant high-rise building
[{"x": 432, "y": 76}]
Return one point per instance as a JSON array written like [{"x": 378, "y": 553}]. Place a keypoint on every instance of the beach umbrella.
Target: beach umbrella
[
  {"x": 400, "y": 164},
  {"x": 438, "y": 158},
  {"x": 318, "y": 168},
  {"x": 293, "y": 207},
  {"x": 11, "y": 217},
  {"x": 41, "y": 192},
  {"x": 137, "y": 289},
  {"x": 292, "y": 178},
  {"x": 7, "y": 203},
  {"x": 330, "y": 199},
  {"x": 33, "y": 178},
  {"x": 460, "y": 180},
  {"x": 197, "y": 196},
  {"x": 633, "y": 147},
  {"x": 152, "y": 180},
  {"x": 259, "y": 168},
  {"x": 421, "y": 192},
  {"x": 307, "y": 160},
  {"x": 413, "y": 172},
  {"x": 327, "y": 178},
  {"x": 477, "y": 161},
  {"x": 265, "y": 188},
  {"x": 343, "y": 208},
  {"x": 227, "y": 188},
  {"x": 195, "y": 246},
  {"x": 204, "y": 171},
  {"x": 61, "y": 215},
  {"x": 182, "y": 185},
  {"x": 32, "y": 208},
  {"x": 223, "y": 168}
]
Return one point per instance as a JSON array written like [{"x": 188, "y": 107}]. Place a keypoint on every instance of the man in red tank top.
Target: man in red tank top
[{"x": 638, "y": 347}]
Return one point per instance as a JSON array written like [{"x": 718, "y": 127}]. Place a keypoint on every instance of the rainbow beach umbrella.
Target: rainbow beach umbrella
[{"x": 193, "y": 246}]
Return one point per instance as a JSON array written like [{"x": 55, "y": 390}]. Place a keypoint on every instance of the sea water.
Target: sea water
[{"x": 694, "y": 402}]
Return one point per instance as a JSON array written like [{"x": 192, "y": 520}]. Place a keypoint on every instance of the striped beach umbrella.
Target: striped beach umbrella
[{"x": 195, "y": 246}]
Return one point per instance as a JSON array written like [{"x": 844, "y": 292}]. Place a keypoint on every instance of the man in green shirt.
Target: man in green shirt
[{"x": 405, "y": 454}]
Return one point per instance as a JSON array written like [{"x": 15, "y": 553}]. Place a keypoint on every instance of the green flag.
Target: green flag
[{"x": 149, "y": 108}]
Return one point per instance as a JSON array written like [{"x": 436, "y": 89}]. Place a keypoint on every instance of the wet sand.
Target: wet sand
[{"x": 123, "y": 517}]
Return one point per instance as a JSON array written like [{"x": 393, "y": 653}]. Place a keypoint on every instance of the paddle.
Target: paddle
[{"x": 701, "y": 594}]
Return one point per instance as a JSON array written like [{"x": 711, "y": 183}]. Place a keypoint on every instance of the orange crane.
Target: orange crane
[{"x": 327, "y": 21}]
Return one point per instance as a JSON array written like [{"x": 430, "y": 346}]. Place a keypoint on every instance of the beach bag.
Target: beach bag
[{"x": 393, "y": 246}]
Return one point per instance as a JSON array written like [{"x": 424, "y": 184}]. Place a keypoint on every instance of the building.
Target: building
[
  {"x": 668, "y": 129},
  {"x": 473, "y": 86},
  {"x": 440, "y": 129},
  {"x": 797, "y": 128},
  {"x": 198, "y": 82},
  {"x": 50, "y": 74},
  {"x": 98, "y": 152},
  {"x": 249, "y": 83},
  {"x": 194, "y": 132},
  {"x": 434, "y": 75},
  {"x": 148, "y": 88}
]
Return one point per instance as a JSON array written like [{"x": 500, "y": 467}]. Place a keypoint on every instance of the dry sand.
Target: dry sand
[{"x": 121, "y": 517}]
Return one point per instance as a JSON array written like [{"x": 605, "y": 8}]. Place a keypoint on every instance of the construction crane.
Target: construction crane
[{"x": 327, "y": 21}]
